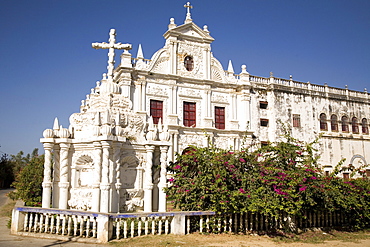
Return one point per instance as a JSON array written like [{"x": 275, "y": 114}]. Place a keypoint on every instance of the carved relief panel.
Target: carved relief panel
[{"x": 190, "y": 59}]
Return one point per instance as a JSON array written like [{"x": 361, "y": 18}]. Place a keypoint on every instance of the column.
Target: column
[
  {"x": 143, "y": 95},
  {"x": 46, "y": 185},
  {"x": 162, "y": 180},
  {"x": 64, "y": 175},
  {"x": 56, "y": 176},
  {"x": 175, "y": 143},
  {"x": 116, "y": 189},
  {"x": 95, "y": 207},
  {"x": 137, "y": 96},
  {"x": 148, "y": 179},
  {"x": 104, "y": 185}
]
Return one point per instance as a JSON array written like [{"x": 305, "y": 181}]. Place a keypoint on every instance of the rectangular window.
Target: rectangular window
[
  {"x": 156, "y": 110},
  {"x": 264, "y": 122},
  {"x": 296, "y": 120},
  {"x": 345, "y": 176},
  {"x": 220, "y": 117},
  {"x": 189, "y": 114},
  {"x": 263, "y": 104}
]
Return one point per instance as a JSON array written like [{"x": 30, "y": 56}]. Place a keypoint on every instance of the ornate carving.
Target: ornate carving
[
  {"x": 81, "y": 199},
  {"x": 190, "y": 139},
  {"x": 133, "y": 200},
  {"x": 188, "y": 48},
  {"x": 156, "y": 90},
  {"x": 220, "y": 98},
  {"x": 188, "y": 92}
]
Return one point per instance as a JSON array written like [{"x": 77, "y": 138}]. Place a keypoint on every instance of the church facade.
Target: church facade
[{"x": 114, "y": 154}]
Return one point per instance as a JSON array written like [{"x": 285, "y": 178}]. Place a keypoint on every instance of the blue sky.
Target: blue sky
[{"x": 47, "y": 65}]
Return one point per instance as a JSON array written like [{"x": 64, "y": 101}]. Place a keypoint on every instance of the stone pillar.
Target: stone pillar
[
  {"x": 64, "y": 176},
  {"x": 162, "y": 180},
  {"x": 105, "y": 185},
  {"x": 175, "y": 143},
  {"x": 143, "y": 96},
  {"x": 137, "y": 95},
  {"x": 95, "y": 207},
  {"x": 46, "y": 185},
  {"x": 148, "y": 179},
  {"x": 56, "y": 176},
  {"x": 116, "y": 189}
]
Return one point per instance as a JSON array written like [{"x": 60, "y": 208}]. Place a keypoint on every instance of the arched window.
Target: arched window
[
  {"x": 345, "y": 127},
  {"x": 334, "y": 123},
  {"x": 355, "y": 128},
  {"x": 323, "y": 123},
  {"x": 365, "y": 126},
  {"x": 189, "y": 63}
]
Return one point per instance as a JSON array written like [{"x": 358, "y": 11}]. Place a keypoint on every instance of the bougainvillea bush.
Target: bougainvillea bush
[{"x": 277, "y": 177}]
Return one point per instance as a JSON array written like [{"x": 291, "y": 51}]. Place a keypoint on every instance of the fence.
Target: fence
[{"x": 99, "y": 227}]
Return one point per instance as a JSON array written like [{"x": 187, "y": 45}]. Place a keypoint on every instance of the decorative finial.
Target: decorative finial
[
  {"x": 271, "y": 74},
  {"x": 244, "y": 69},
  {"x": 188, "y": 15},
  {"x": 205, "y": 28},
  {"x": 140, "y": 54},
  {"x": 172, "y": 23},
  {"x": 230, "y": 67}
]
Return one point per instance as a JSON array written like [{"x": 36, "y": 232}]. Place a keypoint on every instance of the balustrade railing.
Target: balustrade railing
[
  {"x": 99, "y": 227},
  {"x": 256, "y": 222}
]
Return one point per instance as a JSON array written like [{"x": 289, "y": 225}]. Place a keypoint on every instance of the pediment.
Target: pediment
[{"x": 189, "y": 31}]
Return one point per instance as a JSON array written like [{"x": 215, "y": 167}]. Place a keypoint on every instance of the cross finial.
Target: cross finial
[
  {"x": 111, "y": 46},
  {"x": 188, "y": 15}
]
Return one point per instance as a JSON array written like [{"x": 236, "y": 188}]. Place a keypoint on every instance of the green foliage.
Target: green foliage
[
  {"x": 28, "y": 183},
  {"x": 278, "y": 177}
]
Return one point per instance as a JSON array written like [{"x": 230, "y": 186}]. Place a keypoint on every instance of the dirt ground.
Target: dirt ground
[{"x": 232, "y": 240}]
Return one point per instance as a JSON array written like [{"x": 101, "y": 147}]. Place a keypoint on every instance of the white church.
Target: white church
[{"x": 113, "y": 156}]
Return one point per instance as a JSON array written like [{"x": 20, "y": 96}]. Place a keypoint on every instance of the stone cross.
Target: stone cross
[
  {"x": 188, "y": 15},
  {"x": 111, "y": 46}
]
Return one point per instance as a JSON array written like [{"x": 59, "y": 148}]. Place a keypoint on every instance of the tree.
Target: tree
[
  {"x": 28, "y": 183},
  {"x": 6, "y": 172}
]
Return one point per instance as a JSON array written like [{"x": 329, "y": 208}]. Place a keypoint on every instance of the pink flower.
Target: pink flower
[
  {"x": 171, "y": 180},
  {"x": 303, "y": 188},
  {"x": 177, "y": 167},
  {"x": 313, "y": 177},
  {"x": 242, "y": 160},
  {"x": 242, "y": 190}
]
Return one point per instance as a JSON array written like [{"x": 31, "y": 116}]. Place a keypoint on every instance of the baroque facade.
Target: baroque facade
[{"x": 114, "y": 154}]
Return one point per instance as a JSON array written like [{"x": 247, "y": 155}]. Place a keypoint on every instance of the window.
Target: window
[
  {"x": 365, "y": 127},
  {"x": 189, "y": 114},
  {"x": 345, "y": 127},
  {"x": 156, "y": 110},
  {"x": 323, "y": 123},
  {"x": 345, "y": 176},
  {"x": 263, "y": 104},
  {"x": 189, "y": 63},
  {"x": 264, "y": 122},
  {"x": 296, "y": 120},
  {"x": 368, "y": 173},
  {"x": 327, "y": 173},
  {"x": 220, "y": 117},
  {"x": 355, "y": 128},
  {"x": 334, "y": 123}
]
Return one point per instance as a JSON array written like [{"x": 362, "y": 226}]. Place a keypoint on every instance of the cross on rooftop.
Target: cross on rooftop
[
  {"x": 188, "y": 15},
  {"x": 111, "y": 46}
]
